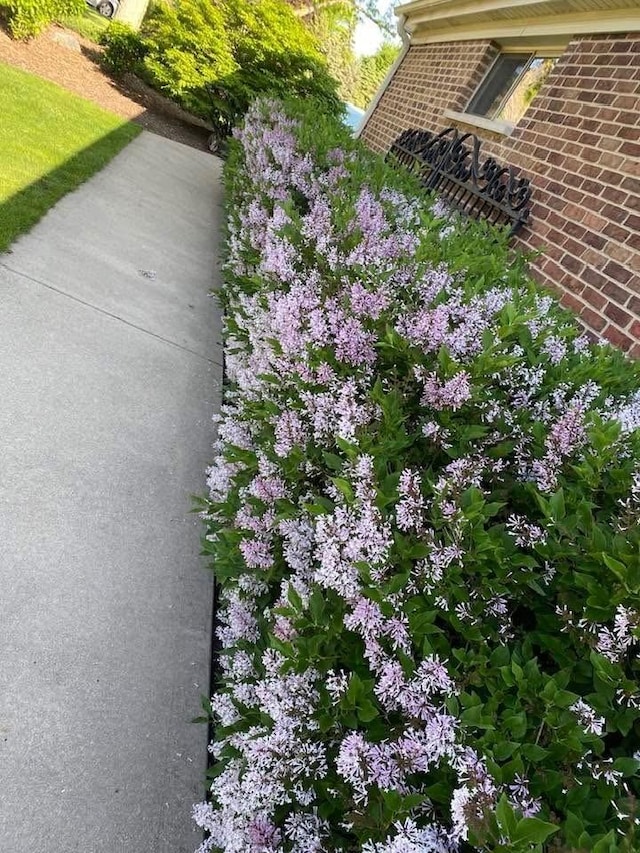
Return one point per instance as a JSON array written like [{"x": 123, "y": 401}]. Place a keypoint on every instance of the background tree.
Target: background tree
[
  {"x": 371, "y": 72},
  {"x": 333, "y": 25},
  {"x": 371, "y": 9},
  {"x": 334, "y": 22}
]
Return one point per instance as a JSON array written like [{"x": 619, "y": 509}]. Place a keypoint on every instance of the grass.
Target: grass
[
  {"x": 50, "y": 142},
  {"x": 90, "y": 24}
]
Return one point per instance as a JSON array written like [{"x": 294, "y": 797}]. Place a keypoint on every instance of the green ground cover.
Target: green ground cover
[{"x": 50, "y": 142}]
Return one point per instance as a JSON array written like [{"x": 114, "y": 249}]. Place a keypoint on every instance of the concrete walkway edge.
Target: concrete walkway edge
[{"x": 110, "y": 355}]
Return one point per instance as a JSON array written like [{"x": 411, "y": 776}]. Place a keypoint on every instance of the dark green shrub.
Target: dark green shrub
[
  {"x": 29, "y": 17},
  {"x": 124, "y": 48}
]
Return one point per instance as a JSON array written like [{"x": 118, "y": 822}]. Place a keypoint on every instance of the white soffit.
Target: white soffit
[{"x": 460, "y": 20}]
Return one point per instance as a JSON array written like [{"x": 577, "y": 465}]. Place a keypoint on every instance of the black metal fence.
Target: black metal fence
[{"x": 450, "y": 164}]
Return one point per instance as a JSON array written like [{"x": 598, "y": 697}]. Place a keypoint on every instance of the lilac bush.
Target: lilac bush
[{"x": 423, "y": 515}]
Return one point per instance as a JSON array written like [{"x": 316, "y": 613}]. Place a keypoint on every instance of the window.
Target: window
[{"x": 511, "y": 84}]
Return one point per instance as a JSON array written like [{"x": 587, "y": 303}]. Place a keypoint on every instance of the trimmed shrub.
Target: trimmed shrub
[
  {"x": 235, "y": 49},
  {"x": 424, "y": 518},
  {"x": 189, "y": 48},
  {"x": 124, "y": 49},
  {"x": 27, "y": 18}
]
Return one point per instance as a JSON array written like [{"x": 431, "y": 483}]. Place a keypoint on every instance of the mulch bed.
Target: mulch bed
[{"x": 79, "y": 71}]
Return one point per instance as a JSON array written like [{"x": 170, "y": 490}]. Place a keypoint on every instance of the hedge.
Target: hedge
[
  {"x": 27, "y": 18},
  {"x": 423, "y": 518},
  {"x": 215, "y": 58}
]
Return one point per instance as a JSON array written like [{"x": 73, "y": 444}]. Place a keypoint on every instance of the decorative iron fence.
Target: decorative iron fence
[{"x": 450, "y": 164}]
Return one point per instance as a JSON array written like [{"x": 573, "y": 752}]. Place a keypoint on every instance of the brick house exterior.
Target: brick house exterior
[{"x": 579, "y": 141}]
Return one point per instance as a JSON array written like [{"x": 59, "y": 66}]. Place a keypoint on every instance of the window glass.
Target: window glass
[
  {"x": 515, "y": 105},
  {"x": 505, "y": 71},
  {"x": 510, "y": 86}
]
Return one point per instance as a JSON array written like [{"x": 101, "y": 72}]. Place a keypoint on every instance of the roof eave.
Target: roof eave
[{"x": 442, "y": 20}]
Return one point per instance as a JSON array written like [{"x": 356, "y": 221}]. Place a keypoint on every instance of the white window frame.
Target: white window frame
[{"x": 498, "y": 126}]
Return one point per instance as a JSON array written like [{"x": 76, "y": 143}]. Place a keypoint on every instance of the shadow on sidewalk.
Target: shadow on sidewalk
[{"x": 21, "y": 211}]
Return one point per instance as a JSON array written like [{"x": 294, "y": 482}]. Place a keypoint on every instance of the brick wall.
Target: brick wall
[
  {"x": 580, "y": 144},
  {"x": 429, "y": 80}
]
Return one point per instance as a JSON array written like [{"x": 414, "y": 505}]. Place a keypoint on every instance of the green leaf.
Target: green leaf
[
  {"x": 627, "y": 766},
  {"x": 534, "y": 752},
  {"x": 349, "y": 449},
  {"x": 333, "y": 461},
  {"x": 367, "y": 711},
  {"x": 504, "y": 749},
  {"x": 606, "y": 669},
  {"x": 619, "y": 569},
  {"x": 500, "y": 656},
  {"x": 345, "y": 487},
  {"x": 517, "y": 724},
  {"x": 506, "y": 817},
  {"x": 574, "y": 827},
  {"x": 532, "y": 830},
  {"x": 320, "y": 506},
  {"x": 556, "y": 503},
  {"x": 606, "y": 844},
  {"x": 439, "y": 792},
  {"x": 294, "y": 598},
  {"x": 317, "y": 606}
]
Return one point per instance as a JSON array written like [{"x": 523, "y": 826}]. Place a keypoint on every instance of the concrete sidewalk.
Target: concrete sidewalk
[{"x": 109, "y": 373}]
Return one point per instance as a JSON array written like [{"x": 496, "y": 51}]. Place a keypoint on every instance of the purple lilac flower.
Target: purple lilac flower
[
  {"x": 336, "y": 684},
  {"x": 627, "y": 413},
  {"x": 368, "y": 303},
  {"x": 257, "y": 553},
  {"x": 555, "y": 348},
  {"x": 353, "y": 343},
  {"x": 411, "y": 506},
  {"x": 291, "y": 328},
  {"x": 587, "y": 717},
  {"x": 451, "y": 394},
  {"x": 526, "y": 535},
  {"x": 306, "y": 832},
  {"x": 440, "y": 209},
  {"x": 521, "y": 798}
]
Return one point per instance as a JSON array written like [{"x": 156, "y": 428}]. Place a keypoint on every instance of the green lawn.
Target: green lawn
[
  {"x": 90, "y": 24},
  {"x": 50, "y": 142}
]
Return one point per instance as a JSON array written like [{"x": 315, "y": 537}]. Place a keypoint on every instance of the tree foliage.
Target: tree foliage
[
  {"x": 231, "y": 50},
  {"x": 334, "y": 25},
  {"x": 371, "y": 72},
  {"x": 369, "y": 9}
]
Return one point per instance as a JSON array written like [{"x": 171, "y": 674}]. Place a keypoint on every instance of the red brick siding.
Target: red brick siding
[
  {"x": 580, "y": 144},
  {"x": 429, "y": 80}
]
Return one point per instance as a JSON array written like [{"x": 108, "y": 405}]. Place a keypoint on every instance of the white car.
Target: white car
[{"x": 107, "y": 8}]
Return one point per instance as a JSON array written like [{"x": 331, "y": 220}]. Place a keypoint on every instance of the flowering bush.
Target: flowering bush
[{"x": 423, "y": 516}]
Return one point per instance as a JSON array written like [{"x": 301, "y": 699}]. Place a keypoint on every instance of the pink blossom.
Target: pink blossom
[
  {"x": 411, "y": 506},
  {"x": 451, "y": 394},
  {"x": 589, "y": 720},
  {"x": 257, "y": 553}
]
